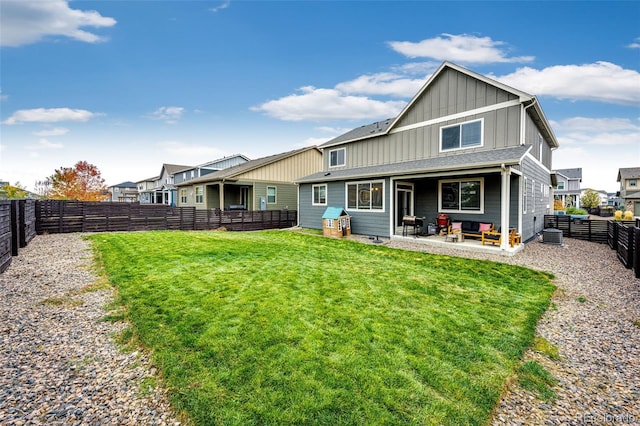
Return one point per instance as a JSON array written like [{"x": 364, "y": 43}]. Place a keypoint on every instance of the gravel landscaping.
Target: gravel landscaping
[{"x": 59, "y": 363}]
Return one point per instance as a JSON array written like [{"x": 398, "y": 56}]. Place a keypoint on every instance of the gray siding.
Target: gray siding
[
  {"x": 451, "y": 93},
  {"x": 501, "y": 128},
  {"x": 362, "y": 222},
  {"x": 533, "y": 137},
  {"x": 536, "y": 206}
]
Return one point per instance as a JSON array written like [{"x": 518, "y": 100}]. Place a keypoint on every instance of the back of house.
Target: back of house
[{"x": 465, "y": 146}]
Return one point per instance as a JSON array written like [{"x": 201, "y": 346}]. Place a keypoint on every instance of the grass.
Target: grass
[
  {"x": 280, "y": 327},
  {"x": 533, "y": 377},
  {"x": 545, "y": 347}
]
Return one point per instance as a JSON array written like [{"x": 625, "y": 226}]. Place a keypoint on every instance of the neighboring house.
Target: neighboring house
[
  {"x": 567, "y": 186},
  {"x": 629, "y": 179},
  {"x": 465, "y": 145},
  {"x": 162, "y": 190},
  {"x": 208, "y": 167},
  {"x": 604, "y": 197},
  {"x": 123, "y": 192},
  {"x": 262, "y": 184},
  {"x": 613, "y": 199},
  {"x": 146, "y": 190}
]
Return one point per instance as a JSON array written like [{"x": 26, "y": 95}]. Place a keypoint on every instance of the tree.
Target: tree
[
  {"x": 14, "y": 192},
  {"x": 81, "y": 182},
  {"x": 590, "y": 199}
]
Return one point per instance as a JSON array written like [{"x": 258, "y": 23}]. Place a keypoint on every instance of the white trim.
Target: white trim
[
  {"x": 275, "y": 201},
  {"x": 457, "y": 116},
  {"x": 371, "y": 182},
  {"x": 535, "y": 160},
  {"x": 326, "y": 195},
  {"x": 480, "y": 211},
  {"x": 461, "y": 148},
  {"x": 524, "y": 198},
  {"x": 344, "y": 157}
]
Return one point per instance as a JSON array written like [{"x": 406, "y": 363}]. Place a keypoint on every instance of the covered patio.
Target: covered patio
[{"x": 468, "y": 244}]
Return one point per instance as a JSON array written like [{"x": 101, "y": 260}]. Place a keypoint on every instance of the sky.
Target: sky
[{"x": 130, "y": 85}]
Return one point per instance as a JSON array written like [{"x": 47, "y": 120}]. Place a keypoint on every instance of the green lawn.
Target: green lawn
[{"x": 279, "y": 327}]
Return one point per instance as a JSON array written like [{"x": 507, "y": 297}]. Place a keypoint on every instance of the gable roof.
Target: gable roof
[
  {"x": 210, "y": 163},
  {"x": 628, "y": 173},
  {"x": 250, "y": 165},
  {"x": 334, "y": 213},
  {"x": 570, "y": 173},
  {"x": 172, "y": 169},
  {"x": 386, "y": 126},
  {"x": 471, "y": 160},
  {"x": 127, "y": 184}
]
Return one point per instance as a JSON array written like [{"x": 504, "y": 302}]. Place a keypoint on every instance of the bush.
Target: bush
[
  {"x": 628, "y": 215},
  {"x": 574, "y": 210},
  {"x": 618, "y": 215}
]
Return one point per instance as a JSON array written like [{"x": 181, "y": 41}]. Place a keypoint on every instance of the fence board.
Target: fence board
[
  {"x": 72, "y": 216},
  {"x": 5, "y": 235}
]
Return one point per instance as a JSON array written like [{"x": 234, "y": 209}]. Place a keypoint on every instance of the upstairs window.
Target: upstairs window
[
  {"x": 336, "y": 157},
  {"x": 461, "y": 136},
  {"x": 633, "y": 182},
  {"x": 560, "y": 186}
]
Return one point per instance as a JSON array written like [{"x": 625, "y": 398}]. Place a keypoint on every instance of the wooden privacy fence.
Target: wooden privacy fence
[
  {"x": 622, "y": 236},
  {"x": 17, "y": 228},
  {"x": 54, "y": 216}
]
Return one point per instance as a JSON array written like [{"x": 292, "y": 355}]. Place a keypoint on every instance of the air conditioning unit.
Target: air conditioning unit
[{"x": 552, "y": 236}]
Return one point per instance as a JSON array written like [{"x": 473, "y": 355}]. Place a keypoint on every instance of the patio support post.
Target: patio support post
[
  {"x": 504, "y": 207},
  {"x": 221, "y": 195}
]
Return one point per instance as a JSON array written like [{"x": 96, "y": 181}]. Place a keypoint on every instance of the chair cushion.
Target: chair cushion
[
  {"x": 484, "y": 227},
  {"x": 470, "y": 226},
  {"x": 491, "y": 236}
]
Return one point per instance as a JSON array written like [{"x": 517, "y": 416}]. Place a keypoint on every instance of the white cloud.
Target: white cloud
[
  {"x": 223, "y": 6},
  {"x": 3, "y": 97},
  {"x": 57, "y": 131},
  {"x": 49, "y": 115},
  {"x": 635, "y": 44},
  {"x": 311, "y": 142},
  {"x": 44, "y": 144},
  {"x": 600, "y": 81},
  {"x": 462, "y": 48},
  {"x": 599, "y": 146},
  {"x": 387, "y": 84},
  {"x": 583, "y": 131},
  {"x": 323, "y": 104},
  {"x": 170, "y": 115},
  {"x": 27, "y": 21}
]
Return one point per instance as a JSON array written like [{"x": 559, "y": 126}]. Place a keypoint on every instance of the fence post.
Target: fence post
[{"x": 636, "y": 253}]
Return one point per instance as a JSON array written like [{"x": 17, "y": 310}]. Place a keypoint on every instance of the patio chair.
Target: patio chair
[
  {"x": 514, "y": 237},
  {"x": 494, "y": 236}
]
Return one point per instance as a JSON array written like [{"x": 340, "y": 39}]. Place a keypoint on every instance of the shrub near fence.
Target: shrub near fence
[{"x": 55, "y": 216}]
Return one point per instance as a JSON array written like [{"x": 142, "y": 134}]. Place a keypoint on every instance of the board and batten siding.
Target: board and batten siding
[
  {"x": 362, "y": 222},
  {"x": 288, "y": 169},
  {"x": 501, "y": 129},
  {"x": 451, "y": 93},
  {"x": 532, "y": 137}
]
